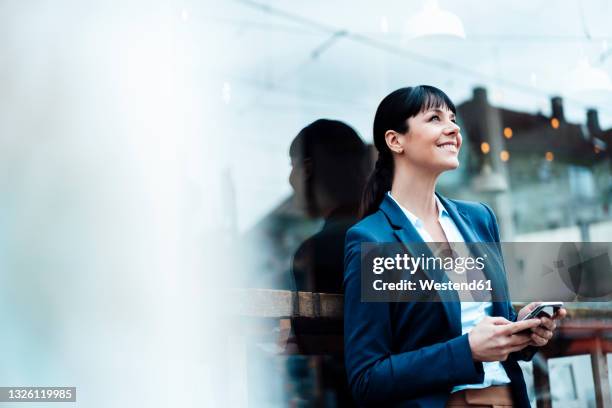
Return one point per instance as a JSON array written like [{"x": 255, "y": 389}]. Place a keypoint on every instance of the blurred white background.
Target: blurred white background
[{"x": 109, "y": 203}]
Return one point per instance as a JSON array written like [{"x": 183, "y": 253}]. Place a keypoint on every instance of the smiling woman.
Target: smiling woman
[{"x": 434, "y": 354}]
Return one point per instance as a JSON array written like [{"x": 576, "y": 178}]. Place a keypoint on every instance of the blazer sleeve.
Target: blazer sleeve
[
  {"x": 528, "y": 352},
  {"x": 377, "y": 375}
]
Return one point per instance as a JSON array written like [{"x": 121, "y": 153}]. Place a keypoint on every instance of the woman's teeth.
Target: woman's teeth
[{"x": 449, "y": 147}]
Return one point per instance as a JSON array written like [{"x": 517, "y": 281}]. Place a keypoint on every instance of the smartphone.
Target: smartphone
[{"x": 547, "y": 309}]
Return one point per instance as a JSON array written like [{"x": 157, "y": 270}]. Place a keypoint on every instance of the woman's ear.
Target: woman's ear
[{"x": 393, "y": 141}]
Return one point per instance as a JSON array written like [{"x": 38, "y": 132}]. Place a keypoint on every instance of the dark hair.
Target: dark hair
[
  {"x": 392, "y": 114},
  {"x": 338, "y": 159}
]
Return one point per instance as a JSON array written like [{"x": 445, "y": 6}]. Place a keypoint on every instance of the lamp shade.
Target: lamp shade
[{"x": 431, "y": 20}]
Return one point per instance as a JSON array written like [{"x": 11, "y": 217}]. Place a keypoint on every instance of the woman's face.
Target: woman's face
[
  {"x": 301, "y": 181},
  {"x": 433, "y": 140}
]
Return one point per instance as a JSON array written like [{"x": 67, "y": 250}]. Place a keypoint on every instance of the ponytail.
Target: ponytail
[{"x": 378, "y": 184}]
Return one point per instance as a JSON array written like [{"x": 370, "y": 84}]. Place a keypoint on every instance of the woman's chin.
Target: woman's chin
[{"x": 449, "y": 164}]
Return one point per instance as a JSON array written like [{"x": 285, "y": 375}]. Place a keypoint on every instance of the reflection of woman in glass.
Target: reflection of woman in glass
[
  {"x": 429, "y": 354},
  {"x": 320, "y": 156}
]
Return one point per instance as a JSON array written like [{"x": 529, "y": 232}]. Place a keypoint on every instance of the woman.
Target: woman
[{"x": 418, "y": 354}]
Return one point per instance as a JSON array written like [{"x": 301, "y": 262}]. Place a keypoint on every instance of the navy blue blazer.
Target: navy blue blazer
[{"x": 411, "y": 354}]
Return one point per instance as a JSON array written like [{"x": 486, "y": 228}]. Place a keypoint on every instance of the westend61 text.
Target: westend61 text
[{"x": 429, "y": 285}]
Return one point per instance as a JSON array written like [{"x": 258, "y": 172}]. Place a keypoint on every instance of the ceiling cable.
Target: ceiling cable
[{"x": 399, "y": 51}]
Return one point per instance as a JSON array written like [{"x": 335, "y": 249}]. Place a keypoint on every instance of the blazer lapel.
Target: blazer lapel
[
  {"x": 495, "y": 270},
  {"x": 411, "y": 239},
  {"x": 462, "y": 221}
]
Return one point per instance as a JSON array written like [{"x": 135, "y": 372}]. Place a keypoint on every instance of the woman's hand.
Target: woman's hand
[
  {"x": 542, "y": 334},
  {"x": 494, "y": 338}
]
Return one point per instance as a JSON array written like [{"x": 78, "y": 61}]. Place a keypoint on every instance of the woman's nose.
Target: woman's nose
[{"x": 452, "y": 128}]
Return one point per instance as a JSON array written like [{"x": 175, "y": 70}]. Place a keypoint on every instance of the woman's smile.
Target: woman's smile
[{"x": 449, "y": 146}]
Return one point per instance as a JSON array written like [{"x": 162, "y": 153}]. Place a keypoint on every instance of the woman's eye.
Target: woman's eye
[{"x": 434, "y": 117}]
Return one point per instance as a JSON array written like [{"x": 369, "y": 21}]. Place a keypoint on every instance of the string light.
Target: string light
[
  {"x": 549, "y": 156},
  {"x": 485, "y": 148},
  {"x": 504, "y": 155},
  {"x": 554, "y": 122},
  {"x": 507, "y": 132}
]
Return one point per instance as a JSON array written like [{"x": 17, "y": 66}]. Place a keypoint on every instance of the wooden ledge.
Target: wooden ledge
[
  {"x": 280, "y": 304},
  {"x": 270, "y": 303}
]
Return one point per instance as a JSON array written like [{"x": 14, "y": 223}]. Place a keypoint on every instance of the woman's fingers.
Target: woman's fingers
[
  {"x": 538, "y": 340},
  {"x": 498, "y": 320},
  {"x": 542, "y": 332},
  {"x": 520, "y": 326},
  {"x": 520, "y": 346},
  {"x": 520, "y": 340},
  {"x": 560, "y": 314},
  {"x": 548, "y": 324}
]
